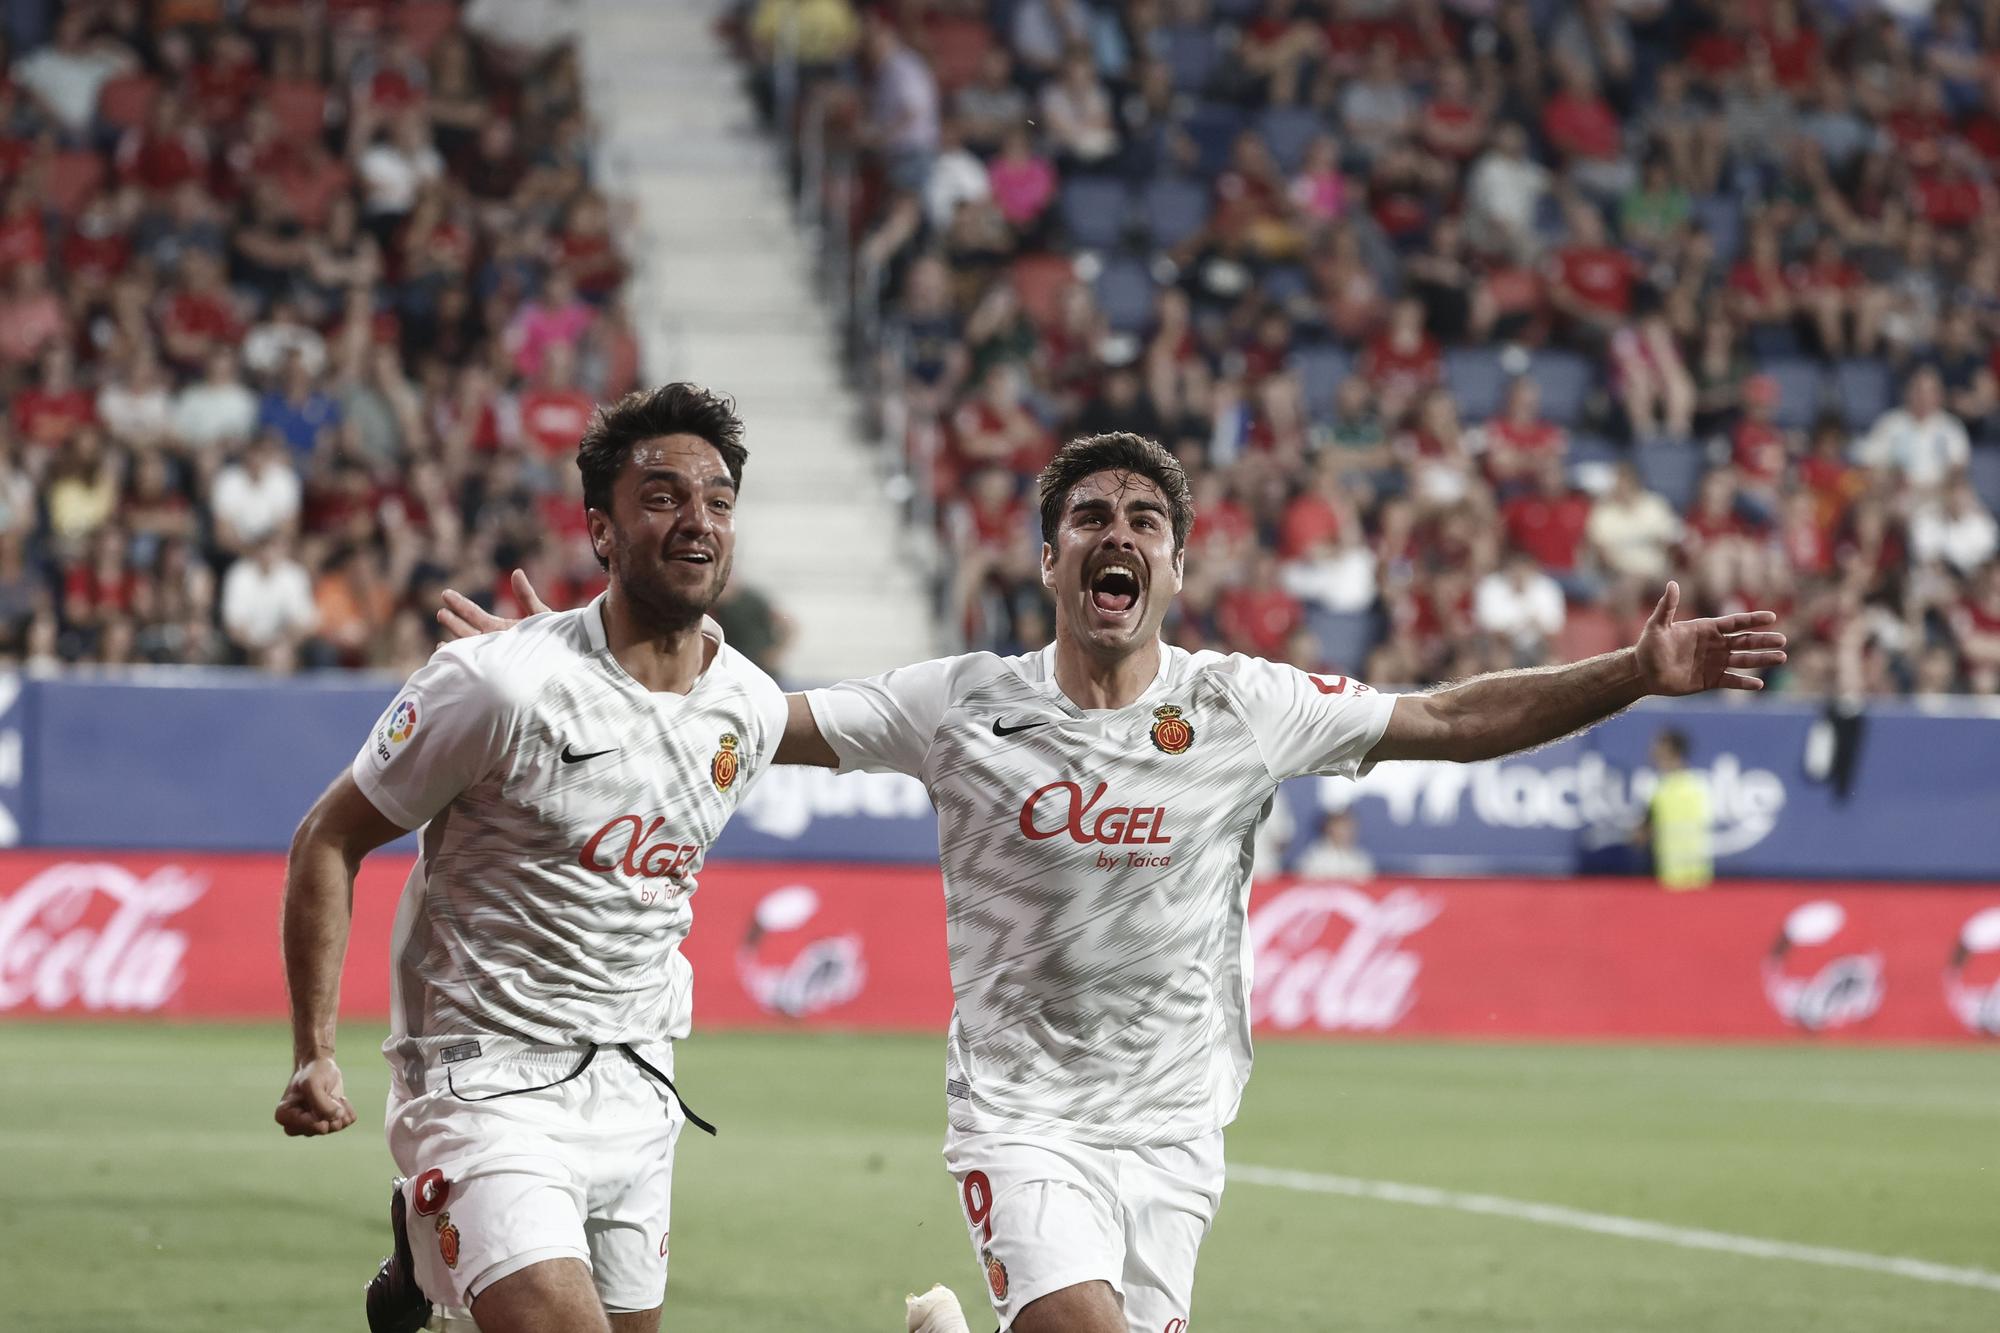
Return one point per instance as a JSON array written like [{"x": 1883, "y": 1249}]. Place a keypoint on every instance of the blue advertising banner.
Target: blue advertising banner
[{"x": 230, "y": 761}]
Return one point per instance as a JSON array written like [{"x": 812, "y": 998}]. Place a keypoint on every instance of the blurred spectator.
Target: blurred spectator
[
  {"x": 268, "y": 607},
  {"x": 1678, "y": 818},
  {"x": 1335, "y": 853},
  {"x": 218, "y": 411},
  {"x": 1919, "y": 441},
  {"x": 1522, "y": 605},
  {"x": 1955, "y": 528},
  {"x": 255, "y": 498},
  {"x": 1632, "y": 530}
]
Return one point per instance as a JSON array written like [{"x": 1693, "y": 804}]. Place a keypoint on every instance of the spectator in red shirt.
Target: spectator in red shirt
[
  {"x": 1519, "y": 442},
  {"x": 1762, "y": 450},
  {"x": 995, "y": 429},
  {"x": 1258, "y": 616},
  {"x": 201, "y": 315},
  {"x": 1952, "y": 197},
  {"x": 554, "y": 411},
  {"x": 1314, "y": 516},
  {"x": 1549, "y": 523},
  {"x": 21, "y": 238},
  {"x": 1650, "y": 378},
  {"x": 50, "y": 412},
  {"x": 1760, "y": 296},
  {"x": 1794, "y": 46},
  {"x": 1583, "y": 128},
  {"x": 1975, "y": 622},
  {"x": 165, "y": 153},
  {"x": 1403, "y": 360},
  {"x": 1591, "y": 280},
  {"x": 1455, "y": 119},
  {"x": 1828, "y": 292}
]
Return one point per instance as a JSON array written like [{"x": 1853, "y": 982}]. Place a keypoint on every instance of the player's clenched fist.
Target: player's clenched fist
[{"x": 314, "y": 1102}]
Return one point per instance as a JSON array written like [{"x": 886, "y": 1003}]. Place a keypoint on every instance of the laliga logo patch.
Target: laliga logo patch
[
  {"x": 996, "y": 1274},
  {"x": 791, "y": 979},
  {"x": 447, "y": 1240},
  {"x": 430, "y": 1192},
  {"x": 1809, "y": 982},
  {"x": 1972, "y": 978},
  {"x": 1171, "y": 732},
  {"x": 722, "y": 768},
  {"x": 403, "y": 722}
]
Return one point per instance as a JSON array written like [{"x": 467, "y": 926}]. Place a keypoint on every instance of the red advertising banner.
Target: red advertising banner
[{"x": 862, "y": 947}]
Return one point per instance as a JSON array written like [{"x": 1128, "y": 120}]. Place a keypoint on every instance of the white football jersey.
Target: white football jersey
[
  {"x": 566, "y": 812},
  {"x": 1097, "y": 872}
]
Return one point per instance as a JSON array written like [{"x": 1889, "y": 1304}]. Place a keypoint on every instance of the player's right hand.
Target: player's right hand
[
  {"x": 314, "y": 1102},
  {"x": 462, "y": 617}
]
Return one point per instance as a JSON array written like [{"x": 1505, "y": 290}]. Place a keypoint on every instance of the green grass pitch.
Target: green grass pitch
[{"x": 144, "y": 1187}]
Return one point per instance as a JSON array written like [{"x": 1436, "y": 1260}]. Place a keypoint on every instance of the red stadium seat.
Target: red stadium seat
[
  {"x": 71, "y": 180},
  {"x": 957, "y": 47}
]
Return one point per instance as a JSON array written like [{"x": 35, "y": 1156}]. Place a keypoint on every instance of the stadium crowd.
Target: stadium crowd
[
  {"x": 1472, "y": 320},
  {"x": 302, "y": 309}
]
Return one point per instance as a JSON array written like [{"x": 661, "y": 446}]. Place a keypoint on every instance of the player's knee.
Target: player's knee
[
  {"x": 554, "y": 1296},
  {"x": 1087, "y": 1307}
]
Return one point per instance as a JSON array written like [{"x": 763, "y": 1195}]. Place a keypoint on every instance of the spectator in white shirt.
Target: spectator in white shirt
[
  {"x": 1077, "y": 112},
  {"x": 395, "y": 168},
  {"x": 137, "y": 407},
  {"x": 282, "y": 334},
  {"x": 1335, "y": 854},
  {"x": 1919, "y": 440},
  {"x": 1521, "y": 604},
  {"x": 1503, "y": 193},
  {"x": 67, "y": 75},
  {"x": 1338, "y": 575},
  {"x": 1632, "y": 529},
  {"x": 255, "y": 498},
  {"x": 267, "y": 606},
  {"x": 957, "y": 177},
  {"x": 217, "y": 410},
  {"x": 1956, "y": 529}
]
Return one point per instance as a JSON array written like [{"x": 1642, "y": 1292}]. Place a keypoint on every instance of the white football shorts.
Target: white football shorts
[
  {"x": 1047, "y": 1213},
  {"x": 504, "y": 1171}
]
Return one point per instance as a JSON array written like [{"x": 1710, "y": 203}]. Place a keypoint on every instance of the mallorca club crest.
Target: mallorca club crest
[
  {"x": 996, "y": 1274},
  {"x": 1171, "y": 732},
  {"x": 447, "y": 1240},
  {"x": 722, "y": 768}
]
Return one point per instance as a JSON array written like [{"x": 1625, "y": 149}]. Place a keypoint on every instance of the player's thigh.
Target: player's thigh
[
  {"x": 1086, "y": 1307},
  {"x": 553, "y": 1296},
  {"x": 1042, "y": 1216},
  {"x": 1169, "y": 1197}
]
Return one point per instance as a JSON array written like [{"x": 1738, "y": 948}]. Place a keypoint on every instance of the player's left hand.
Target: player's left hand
[{"x": 1717, "y": 652}]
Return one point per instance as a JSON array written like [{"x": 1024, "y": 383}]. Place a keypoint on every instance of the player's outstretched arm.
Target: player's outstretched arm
[
  {"x": 803, "y": 742},
  {"x": 1518, "y": 710},
  {"x": 462, "y": 617},
  {"x": 340, "y": 829}
]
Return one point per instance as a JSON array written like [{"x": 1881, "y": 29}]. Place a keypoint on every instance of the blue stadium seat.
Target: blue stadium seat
[
  {"x": 1671, "y": 467},
  {"x": 1095, "y": 211},
  {"x": 1286, "y": 283},
  {"x": 1320, "y": 370},
  {"x": 1586, "y": 450},
  {"x": 1214, "y": 126},
  {"x": 1565, "y": 380},
  {"x": 1173, "y": 209},
  {"x": 1125, "y": 294},
  {"x": 1865, "y": 391},
  {"x": 1287, "y": 131},
  {"x": 1192, "y": 54},
  {"x": 1346, "y": 637},
  {"x": 1476, "y": 381},
  {"x": 1722, "y": 218},
  {"x": 1985, "y": 473},
  {"x": 1800, "y": 386}
]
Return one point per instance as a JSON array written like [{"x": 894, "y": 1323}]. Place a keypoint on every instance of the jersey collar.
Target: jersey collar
[
  {"x": 1054, "y": 691},
  {"x": 593, "y": 629}
]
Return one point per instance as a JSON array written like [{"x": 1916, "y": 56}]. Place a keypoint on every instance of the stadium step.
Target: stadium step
[{"x": 724, "y": 293}]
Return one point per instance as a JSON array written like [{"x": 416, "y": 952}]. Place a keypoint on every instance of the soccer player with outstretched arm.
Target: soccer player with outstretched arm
[{"x": 1096, "y": 803}]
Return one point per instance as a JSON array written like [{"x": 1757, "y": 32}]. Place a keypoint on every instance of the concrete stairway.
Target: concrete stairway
[{"x": 723, "y": 296}]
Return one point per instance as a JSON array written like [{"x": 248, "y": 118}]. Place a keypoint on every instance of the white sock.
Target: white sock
[{"x": 936, "y": 1311}]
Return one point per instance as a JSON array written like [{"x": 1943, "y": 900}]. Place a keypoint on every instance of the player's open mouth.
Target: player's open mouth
[
  {"x": 694, "y": 557},
  {"x": 1114, "y": 588}
]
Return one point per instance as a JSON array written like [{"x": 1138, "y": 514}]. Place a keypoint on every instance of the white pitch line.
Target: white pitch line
[{"x": 1609, "y": 1224}]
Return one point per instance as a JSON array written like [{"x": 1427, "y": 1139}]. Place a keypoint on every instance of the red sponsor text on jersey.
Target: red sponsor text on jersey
[
  {"x": 641, "y": 855},
  {"x": 1086, "y": 824}
]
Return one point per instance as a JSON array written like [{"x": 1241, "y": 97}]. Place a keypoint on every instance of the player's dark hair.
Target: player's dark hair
[
  {"x": 650, "y": 414},
  {"x": 1116, "y": 451}
]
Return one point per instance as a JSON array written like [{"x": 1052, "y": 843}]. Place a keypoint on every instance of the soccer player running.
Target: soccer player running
[
  {"x": 1096, "y": 805},
  {"x": 568, "y": 778}
]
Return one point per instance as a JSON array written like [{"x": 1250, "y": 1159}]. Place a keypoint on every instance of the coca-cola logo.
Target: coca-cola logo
[
  {"x": 1972, "y": 978},
  {"x": 1061, "y": 807},
  {"x": 797, "y": 979},
  {"x": 94, "y": 935},
  {"x": 1309, "y": 975},
  {"x": 1813, "y": 979},
  {"x": 631, "y": 843}
]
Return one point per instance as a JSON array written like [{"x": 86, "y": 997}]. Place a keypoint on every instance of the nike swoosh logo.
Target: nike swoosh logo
[
  {"x": 1002, "y": 729},
  {"x": 569, "y": 756}
]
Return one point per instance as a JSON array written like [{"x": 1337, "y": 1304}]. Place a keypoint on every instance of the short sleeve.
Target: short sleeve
[
  {"x": 884, "y": 724},
  {"x": 1304, "y": 723},
  {"x": 444, "y": 732}
]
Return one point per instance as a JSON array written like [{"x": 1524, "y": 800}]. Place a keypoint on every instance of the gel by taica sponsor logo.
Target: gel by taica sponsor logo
[
  {"x": 1590, "y": 795},
  {"x": 789, "y": 972},
  {"x": 1331, "y": 957},
  {"x": 1815, "y": 975},
  {"x": 95, "y": 935}
]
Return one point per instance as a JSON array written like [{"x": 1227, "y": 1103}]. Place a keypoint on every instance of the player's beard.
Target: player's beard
[{"x": 658, "y": 605}]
